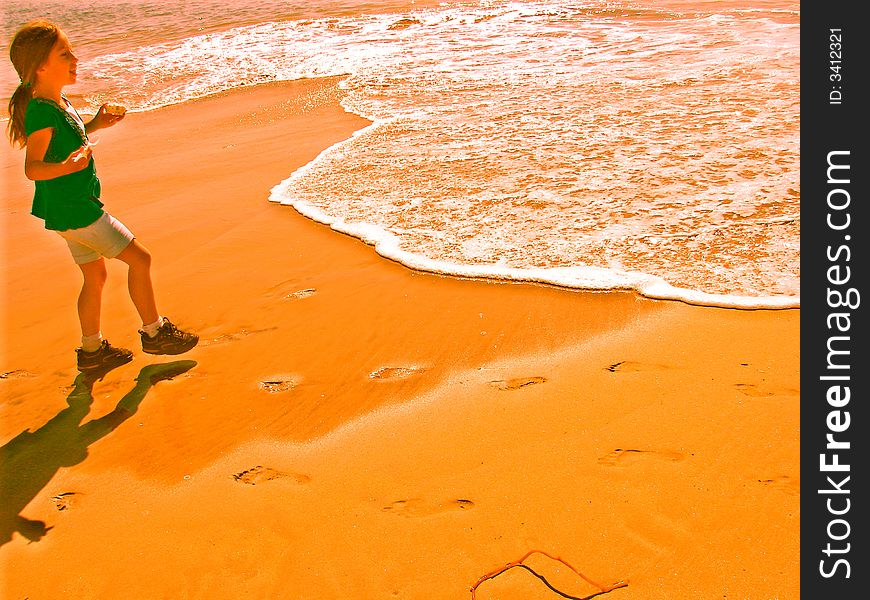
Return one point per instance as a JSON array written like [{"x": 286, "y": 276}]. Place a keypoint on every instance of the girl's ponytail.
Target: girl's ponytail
[
  {"x": 17, "y": 108},
  {"x": 28, "y": 52}
]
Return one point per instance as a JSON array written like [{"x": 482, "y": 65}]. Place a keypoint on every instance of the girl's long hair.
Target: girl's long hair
[{"x": 28, "y": 51}]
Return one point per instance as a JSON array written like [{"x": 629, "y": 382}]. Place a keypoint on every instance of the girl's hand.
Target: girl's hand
[
  {"x": 105, "y": 118},
  {"x": 79, "y": 158}
]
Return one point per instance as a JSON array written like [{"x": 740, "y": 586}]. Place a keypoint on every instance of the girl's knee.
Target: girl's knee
[
  {"x": 136, "y": 255},
  {"x": 144, "y": 256},
  {"x": 95, "y": 273}
]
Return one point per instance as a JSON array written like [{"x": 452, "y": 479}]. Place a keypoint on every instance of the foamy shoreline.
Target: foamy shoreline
[{"x": 579, "y": 278}]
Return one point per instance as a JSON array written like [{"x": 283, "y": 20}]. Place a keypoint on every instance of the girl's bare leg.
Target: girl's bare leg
[
  {"x": 139, "y": 283},
  {"x": 91, "y": 297}
]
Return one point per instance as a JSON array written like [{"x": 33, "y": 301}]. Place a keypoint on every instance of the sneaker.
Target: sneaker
[
  {"x": 169, "y": 340},
  {"x": 103, "y": 359}
]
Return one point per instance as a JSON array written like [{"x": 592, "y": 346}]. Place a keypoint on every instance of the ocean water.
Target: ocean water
[{"x": 597, "y": 144}]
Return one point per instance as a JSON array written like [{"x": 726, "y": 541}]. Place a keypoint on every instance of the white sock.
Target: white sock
[
  {"x": 151, "y": 330},
  {"x": 91, "y": 343}
]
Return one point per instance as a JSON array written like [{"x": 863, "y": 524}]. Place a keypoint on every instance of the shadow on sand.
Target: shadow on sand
[{"x": 30, "y": 460}]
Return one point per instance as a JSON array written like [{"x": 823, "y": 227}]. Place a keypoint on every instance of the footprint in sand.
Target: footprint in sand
[
  {"x": 300, "y": 294},
  {"x": 784, "y": 484},
  {"x": 623, "y": 455},
  {"x": 386, "y": 373},
  {"x": 288, "y": 290},
  {"x": 750, "y": 389},
  {"x": 515, "y": 384},
  {"x": 417, "y": 507},
  {"x": 260, "y": 474},
  {"x": 16, "y": 374},
  {"x": 276, "y": 385},
  {"x": 226, "y": 338},
  {"x": 66, "y": 500},
  {"x": 656, "y": 531},
  {"x": 630, "y": 366}
]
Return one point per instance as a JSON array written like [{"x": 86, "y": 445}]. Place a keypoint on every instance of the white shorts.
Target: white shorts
[{"x": 106, "y": 236}]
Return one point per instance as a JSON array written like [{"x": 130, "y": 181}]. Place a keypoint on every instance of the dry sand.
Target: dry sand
[{"x": 349, "y": 428}]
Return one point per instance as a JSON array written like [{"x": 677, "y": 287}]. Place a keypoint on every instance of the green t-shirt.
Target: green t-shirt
[{"x": 69, "y": 201}]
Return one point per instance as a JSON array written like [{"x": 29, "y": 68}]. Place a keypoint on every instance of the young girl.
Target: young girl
[{"x": 58, "y": 159}]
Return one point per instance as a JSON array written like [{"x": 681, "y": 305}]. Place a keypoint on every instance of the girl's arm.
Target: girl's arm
[
  {"x": 102, "y": 120},
  {"x": 37, "y": 169}
]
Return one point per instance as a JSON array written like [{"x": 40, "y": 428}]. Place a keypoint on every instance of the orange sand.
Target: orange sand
[{"x": 349, "y": 428}]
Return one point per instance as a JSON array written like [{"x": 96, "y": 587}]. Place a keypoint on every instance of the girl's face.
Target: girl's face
[{"x": 60, "y": 67}]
